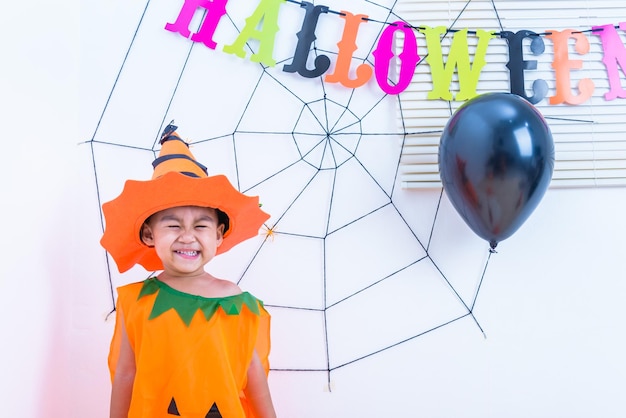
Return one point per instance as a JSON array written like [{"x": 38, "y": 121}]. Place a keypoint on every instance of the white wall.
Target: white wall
[
  {"x": 551, "y": 304},
  {"x": 40, "y": 124}
]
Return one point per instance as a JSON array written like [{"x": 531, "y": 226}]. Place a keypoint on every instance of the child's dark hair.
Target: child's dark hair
[{"x": 222, "y": 218}]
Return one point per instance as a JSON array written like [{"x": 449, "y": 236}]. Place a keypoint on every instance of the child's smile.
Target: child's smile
[{"x": 185, "y": 238}]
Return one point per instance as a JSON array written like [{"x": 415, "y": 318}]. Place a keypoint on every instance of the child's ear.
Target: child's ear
[
  {"x": 220, "y": 234},
  {"x": 146, "y": 235}
]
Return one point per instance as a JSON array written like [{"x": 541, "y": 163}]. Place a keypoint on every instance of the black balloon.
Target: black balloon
[{"x": 496, "y": 159}]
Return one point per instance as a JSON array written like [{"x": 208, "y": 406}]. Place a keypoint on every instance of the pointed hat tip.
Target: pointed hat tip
[{"x": 170, "y": 130}]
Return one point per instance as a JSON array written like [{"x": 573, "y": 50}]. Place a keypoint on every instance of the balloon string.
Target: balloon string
[
  {"x": 478, "y": 325},
  {"x": 482, "y": 277},
  {"x": 432, "y": 229}
]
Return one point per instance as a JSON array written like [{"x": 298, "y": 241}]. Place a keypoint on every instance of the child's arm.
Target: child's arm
[
  {"x": 257, "y": 390},
  {"x": 122, "y": 388}
]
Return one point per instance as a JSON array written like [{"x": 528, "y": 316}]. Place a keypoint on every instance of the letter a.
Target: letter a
[{"x": 265, "y": 15}]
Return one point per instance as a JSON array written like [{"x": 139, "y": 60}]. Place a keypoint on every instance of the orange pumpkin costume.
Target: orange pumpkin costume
[{"x": 191, "y": 353}]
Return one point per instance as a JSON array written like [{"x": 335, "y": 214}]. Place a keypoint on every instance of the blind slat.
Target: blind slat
[{"x": 590, "y": 144}]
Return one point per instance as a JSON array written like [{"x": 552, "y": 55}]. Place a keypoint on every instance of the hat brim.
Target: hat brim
[{"x": 125, "y": 214}]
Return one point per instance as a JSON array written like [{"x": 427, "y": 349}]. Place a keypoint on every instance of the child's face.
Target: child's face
[{"x": 185, "y": 238}]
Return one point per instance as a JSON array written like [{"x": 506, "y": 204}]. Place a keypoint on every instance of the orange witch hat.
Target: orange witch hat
[{"x": 178, "y": 180}]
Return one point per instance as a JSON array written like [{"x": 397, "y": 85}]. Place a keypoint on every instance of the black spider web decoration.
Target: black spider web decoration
[{"x": 328, "y": 139}]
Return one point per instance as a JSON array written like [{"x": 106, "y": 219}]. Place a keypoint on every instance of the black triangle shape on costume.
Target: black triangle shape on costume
[
  {"x": 214, "y": 412},
  {"x": 173, "y": 409}
]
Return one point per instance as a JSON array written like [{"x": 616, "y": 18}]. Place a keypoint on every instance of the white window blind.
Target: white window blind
[{"x": 589, "y": 138}]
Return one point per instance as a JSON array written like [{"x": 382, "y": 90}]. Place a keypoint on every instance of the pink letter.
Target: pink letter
[
  {"x": 614, "y": 53},
  {"x": 408, "y": 58},
  {"x": 215, "y": 10}
]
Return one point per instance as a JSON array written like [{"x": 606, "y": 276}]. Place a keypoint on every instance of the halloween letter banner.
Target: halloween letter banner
[{"x": 262, "y": 26}]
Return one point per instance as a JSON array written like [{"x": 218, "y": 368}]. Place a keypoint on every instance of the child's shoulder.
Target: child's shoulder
[
  {"x": 223, "y": 288},
  {"x": 135, "y": 288},
  {"x": 130, "y": 287}
]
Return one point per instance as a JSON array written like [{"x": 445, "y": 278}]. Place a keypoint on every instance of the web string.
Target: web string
[
  {"x": 93, "y": 155},
  {"x": 330, "y": 143}
]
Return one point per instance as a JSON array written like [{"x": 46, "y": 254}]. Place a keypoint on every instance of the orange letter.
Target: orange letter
[
  {"x": 562, "y": 66},
  {"x": 347, "y": 46}
]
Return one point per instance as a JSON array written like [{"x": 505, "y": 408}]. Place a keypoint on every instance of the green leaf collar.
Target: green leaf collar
[{"x": 186, "y": 304}]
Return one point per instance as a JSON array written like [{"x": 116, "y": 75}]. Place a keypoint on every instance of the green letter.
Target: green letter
[
  {"x": 266, "y": 16},
  {"x": 457, "y": 57}
]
